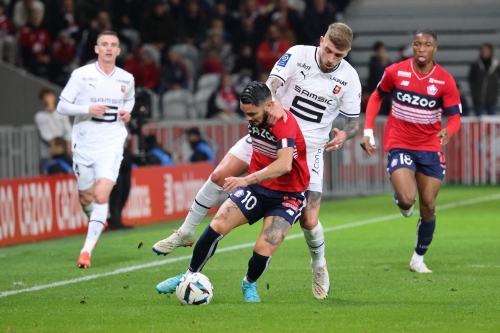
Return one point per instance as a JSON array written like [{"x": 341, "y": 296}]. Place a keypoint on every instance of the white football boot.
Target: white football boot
[
  {"x": 320, "y": 282},
  {"x": 175, "y": 240}
]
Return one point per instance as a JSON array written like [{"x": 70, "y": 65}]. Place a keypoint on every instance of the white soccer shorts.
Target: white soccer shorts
[
  {"x": 243, "y": 151},
  {"x": 89, "y": 168}
]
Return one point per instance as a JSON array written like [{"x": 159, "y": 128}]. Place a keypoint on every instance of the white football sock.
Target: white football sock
[
  {"x": 88, "y": 209},
  {"x": 315, "y": 240},
  {"x": 96, "y": 224},
  {"x": 206, "y": 198},
  {"x": 417, "y": 258}
]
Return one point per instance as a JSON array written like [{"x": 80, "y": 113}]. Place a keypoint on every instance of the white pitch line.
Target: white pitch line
[{"x": 237, "y": 247}]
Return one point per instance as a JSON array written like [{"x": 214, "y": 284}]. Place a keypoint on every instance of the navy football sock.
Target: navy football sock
[
  {"x": 257, "y": 266},
  {"x": 425, "y": 231},
  {"x": 204, "y": 249}
]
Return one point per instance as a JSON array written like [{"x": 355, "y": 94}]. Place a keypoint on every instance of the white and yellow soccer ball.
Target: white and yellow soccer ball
[{"x": 194, "y": 289}]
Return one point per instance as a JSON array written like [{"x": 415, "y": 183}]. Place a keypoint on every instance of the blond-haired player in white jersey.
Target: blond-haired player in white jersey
[
  {"x": 101, "y": 96},
  {"x": 315, "y": 84}
]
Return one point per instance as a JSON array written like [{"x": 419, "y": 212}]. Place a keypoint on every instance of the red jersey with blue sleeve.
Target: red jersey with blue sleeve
[
  {"x": 418, "y": 103},
  {"x": 267, "y": 140}
]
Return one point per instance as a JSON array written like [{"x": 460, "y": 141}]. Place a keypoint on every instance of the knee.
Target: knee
[
  {"x": 428, "y": 210},
  {"x": 406, "y": 200},
  {"x": 101, "y": 198},
  {"x": 217, "y": 178},
  {"x": 308, "y": 222},
  {"x": 85, "y": 198}
]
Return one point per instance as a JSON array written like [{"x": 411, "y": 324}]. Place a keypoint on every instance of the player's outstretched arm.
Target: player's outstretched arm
[
  {"x": 349, "y": 131},
  {"x": 276, "y": 112},
  {"x": 279, "y": 167}
]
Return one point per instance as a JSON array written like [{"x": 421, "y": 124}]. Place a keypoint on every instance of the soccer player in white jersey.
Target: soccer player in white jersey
[
  {"x": 101, "y": 96},
  {"x": 315, "y": 84}
]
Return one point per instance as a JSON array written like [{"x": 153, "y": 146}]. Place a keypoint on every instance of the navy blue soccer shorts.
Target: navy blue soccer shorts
[
  {"x": 256, "y": 202},
  {"x": 430, "y": 163}
]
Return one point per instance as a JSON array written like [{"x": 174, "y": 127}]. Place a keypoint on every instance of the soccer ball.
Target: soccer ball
[{"x": 194, "y": 289}]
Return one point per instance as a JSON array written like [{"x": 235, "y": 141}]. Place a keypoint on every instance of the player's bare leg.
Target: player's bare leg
[
  {"x": 315, "y": 239},
  {"x": 99, "y": 195},
  {"x": 206, "y": 198},
  {"x": 428, "y": 189},
  {"x": 405, "y": 188}
]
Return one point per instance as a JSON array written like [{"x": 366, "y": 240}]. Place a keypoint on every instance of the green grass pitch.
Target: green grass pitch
[{"x": 368, "y": 248}]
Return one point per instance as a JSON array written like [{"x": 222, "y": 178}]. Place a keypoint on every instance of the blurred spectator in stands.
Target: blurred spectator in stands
[
  {"x": 246, "y": 65},
  {"x": 224, "y": 103},
  {"x": 228, "y": 17},
  {"x": 50, "y": 124},
  {"x": 463, "y": 101},
  {"x": 215, "y": 46},
  {"x": 340, "y": 7},
  {"x": 246, "y": 35},
  {"x": 127, "y": 20},
  {"x": 61, "y": 162},
  {"x": 7, "y": 40},
  {"x": 174, "y": 73},
  {"x": 249, "y": 9},
  {"x": 34, "y": 42},
  {"x": 154, "y": 154},
  {"x": 200, "y": 149},
  {"x": 195, "y": 23},
  {"x": 119, "y": 194},
  {"x": 269, "y": 51},
  {"x": 63, "y": 19},
  {"x": 279, "y": 19},
  {"x": 378, "y": 63},
  {"x": 318, "y": 16},
  {"x": 218, "y": 24},
  {"x": 405, "y": 52},
  {"x": 159, "y": 28},
  {"x": 212, "y": 64},
  {"x": 97, "y": 25},
  {"x": 142, "y": 66},
  {"x": 88, "y": 10},
  {"x": 484, "y": 81},
  {"x": 63, "y": 53},
  {"x": 288, "y": 20},
  {"x": 22, "y": 9}
]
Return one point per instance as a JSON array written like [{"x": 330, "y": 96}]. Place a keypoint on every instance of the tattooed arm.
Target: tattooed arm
[
  {"x": 340, "y": 136},
  {"x": 276, "y": 112},
  {"x": 279, "y": 167}
]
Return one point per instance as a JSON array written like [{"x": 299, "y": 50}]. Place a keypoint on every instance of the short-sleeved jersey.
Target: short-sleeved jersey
[
  {"x": 316, "y": 98},
  {"x": 89, "y": 85},
  {"x": 418, "y": 102},
  {"x": 267, "y": 140}
]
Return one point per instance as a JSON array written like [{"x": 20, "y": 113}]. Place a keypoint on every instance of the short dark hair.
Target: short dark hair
[
  {"x": 377, "y": 45},
  {"x": 488, "y": 45},
  {"x": 194, "y": 131},
  {"x": 44, "y": 91},
  {"x": 59, "y": 141},
  {"x": 108, "y": 33},
  {"x": 255, "y": 93},
  {"x": 427, "y": 32}
]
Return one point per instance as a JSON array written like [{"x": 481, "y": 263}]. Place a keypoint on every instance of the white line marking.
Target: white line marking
[{"x": 237, "y": 247}]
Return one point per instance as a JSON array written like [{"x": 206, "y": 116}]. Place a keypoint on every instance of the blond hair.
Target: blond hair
[
  {"x": 108, "y": 33},
  {"x": 340, "y": 35}
]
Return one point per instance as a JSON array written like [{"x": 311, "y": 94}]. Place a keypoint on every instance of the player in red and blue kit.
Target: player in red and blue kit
[
  {"x": 422, "y": 91},
  {"x": 273, "y": 189}
]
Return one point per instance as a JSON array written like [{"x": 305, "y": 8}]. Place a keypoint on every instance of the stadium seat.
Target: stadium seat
[
  {"x": 208, "y": 81},
  {"x": 201, "y": 101},
  {"x": 178, "y": 105}
]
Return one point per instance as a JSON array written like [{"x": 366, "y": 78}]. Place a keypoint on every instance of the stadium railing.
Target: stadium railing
[{"x": 472, "y": 156}]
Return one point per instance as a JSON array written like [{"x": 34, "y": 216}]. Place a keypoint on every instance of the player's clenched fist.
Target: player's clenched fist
[
  {"x": 367, "y": 146},
  {"x": 97, "y": 110},
  {"x": 124, "y": 116}
]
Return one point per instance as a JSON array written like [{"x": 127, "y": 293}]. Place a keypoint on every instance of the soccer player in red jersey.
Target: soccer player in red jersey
[
  {"x": 273, "y": 190},
  {"x": 421, "y": 92}
]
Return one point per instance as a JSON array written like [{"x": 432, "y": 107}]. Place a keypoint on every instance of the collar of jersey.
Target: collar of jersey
[
  {"x": 100, "y": 71},
  {"x": 426, "y": 75},
  {"x": 317, "y": 64}
]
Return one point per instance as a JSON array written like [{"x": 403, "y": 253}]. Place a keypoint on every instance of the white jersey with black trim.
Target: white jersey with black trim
[
  {"x": 89, "y": 85},
  {"x": 316, "y": 98}
]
